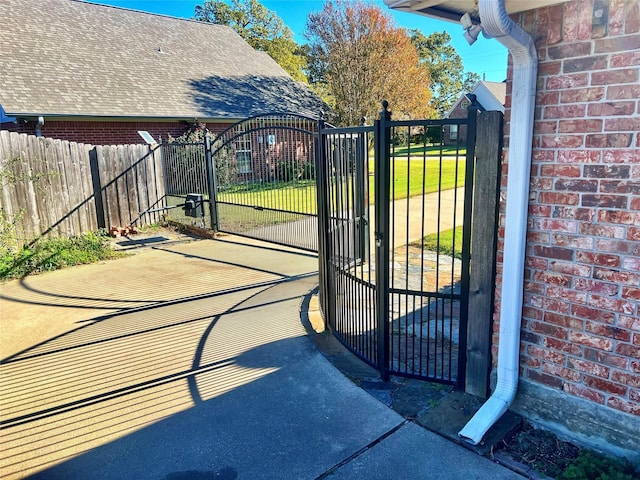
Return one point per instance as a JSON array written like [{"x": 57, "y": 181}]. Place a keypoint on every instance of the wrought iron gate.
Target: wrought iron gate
[
  {"x": 265, "y": 184},
  {"x": 397, "y": 303},
  {"x": 364, "y": 198},
  {"x": 184, "y": 172}
]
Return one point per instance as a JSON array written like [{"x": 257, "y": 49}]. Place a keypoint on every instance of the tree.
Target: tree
[
  {"x": 448, "y": 79},
  {"x": 259, "y": 27},
  {"x": 357, "y": 58}
]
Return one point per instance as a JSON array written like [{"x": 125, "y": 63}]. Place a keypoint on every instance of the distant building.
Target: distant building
[
  {"x": 99, "y": 74},
  {"x": 489, "y": 96}
]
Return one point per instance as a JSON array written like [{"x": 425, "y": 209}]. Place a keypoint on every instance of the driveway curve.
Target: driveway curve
[{"x": 189, "y": 361}]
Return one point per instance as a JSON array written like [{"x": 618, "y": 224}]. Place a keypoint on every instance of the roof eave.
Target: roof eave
[
  {"x": 452, "y": 10},
  {"x": 120, "y": 118}
]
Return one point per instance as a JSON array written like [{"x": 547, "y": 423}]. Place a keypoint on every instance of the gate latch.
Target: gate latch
[{"x": 378, "y": 237}]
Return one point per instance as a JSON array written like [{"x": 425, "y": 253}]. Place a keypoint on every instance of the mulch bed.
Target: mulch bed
[{"x": 539, "y": 450}]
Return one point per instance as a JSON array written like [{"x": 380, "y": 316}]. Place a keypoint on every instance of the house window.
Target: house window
[
  {"x": 243, "y": 153},
  {"x": 464, "y": 104},
  {"x": 453, "y": 132},
  {"x": 243, "y": 158}
]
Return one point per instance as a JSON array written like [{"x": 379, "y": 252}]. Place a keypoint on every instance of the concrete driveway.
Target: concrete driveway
[{"x": 189, "y": 361}]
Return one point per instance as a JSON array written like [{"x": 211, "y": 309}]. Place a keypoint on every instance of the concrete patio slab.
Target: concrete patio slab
[{"x": 188, "y": 361}]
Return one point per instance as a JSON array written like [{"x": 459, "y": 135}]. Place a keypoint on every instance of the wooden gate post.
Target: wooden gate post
[{"x": 483, "y": 251}]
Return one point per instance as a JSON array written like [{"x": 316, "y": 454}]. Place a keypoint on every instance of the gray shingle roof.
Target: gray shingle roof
[{"x": 67, "y": 57}]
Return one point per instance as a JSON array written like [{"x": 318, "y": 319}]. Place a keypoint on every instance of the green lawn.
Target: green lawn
[
  {"x": 414, "y": 170},
  {"x": 295, "y": 196},
  {"x": 410, "y": 178},
  {"x": 443, "y": 243},
  {"x": 418, "y": 150}
]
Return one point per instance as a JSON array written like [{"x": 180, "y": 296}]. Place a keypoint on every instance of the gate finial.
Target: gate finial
[{"x": 385, "y": 113}]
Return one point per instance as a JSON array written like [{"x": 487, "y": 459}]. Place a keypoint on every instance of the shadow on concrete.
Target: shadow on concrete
[
  {"x": 177, "y": 395},
  {"x": 58, "y": 299}
]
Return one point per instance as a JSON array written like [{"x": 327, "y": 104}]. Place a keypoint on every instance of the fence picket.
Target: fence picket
[
  {"x": 9, "y": 189},
  {"x": 158, "y": 183},
  {"x": 47, "y": 185},
  {"x": 53, "y": 185},
  {"x": 26, "y": 172},
  {"x": 71, "y": 194},
  {"x": 80, "y": 163}
]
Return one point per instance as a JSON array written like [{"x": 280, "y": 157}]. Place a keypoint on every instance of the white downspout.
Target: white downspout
[{"x": 496, "y": 23}]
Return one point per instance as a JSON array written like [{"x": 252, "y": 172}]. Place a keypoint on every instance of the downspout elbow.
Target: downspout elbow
[{"x": 497, "y": 24}]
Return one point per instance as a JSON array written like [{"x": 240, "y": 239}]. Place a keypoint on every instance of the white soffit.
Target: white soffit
[{"x": 452, "y": 10}]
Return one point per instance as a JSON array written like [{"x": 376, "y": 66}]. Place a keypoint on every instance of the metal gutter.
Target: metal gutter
[
  {"x": 121, "y": 118},
  {"x": 497, "y": 24}
]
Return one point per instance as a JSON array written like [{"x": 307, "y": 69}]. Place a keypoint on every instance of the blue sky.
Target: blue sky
[{"x": 485, "y": 57}]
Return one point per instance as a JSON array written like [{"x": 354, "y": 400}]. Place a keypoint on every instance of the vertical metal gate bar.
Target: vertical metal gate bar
[
  {"x": 360, "y": 187},
  {"x": 453, "y": 263},
  {"x": 422, "y": 233},
  {"x": 406, "y": 268},
  {"x": 390, "y": 247},
  {"x": 382, "y": 172},
  {"x": 323, "y": 225},
  {"x": 466, "y": 242},
  {"x": 211, "y": 184}
]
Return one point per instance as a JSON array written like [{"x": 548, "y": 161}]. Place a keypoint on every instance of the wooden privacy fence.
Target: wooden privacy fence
[{"x": 61, "y": 188}]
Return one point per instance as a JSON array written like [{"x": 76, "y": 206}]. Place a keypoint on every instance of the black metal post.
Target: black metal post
[
  {"x": 324, "y": 249},
  {"x": 97, "y": 188},
  {"x": 382, "y": 197},
  {"x": 362, "y": 197},
  {"x": 472, "y": 117},
  {"x": 212, "y": 184}
]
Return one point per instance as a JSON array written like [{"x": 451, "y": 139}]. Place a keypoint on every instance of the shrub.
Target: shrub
[
  {"x": 308, "y": 170},
  {"x": 9, "y": 241},
  {"x": 589, "y": 465},
  {"x": 55, "y": 253},
  {"x": 183, "y": 162},
  {"x": 286, "y": 170}
]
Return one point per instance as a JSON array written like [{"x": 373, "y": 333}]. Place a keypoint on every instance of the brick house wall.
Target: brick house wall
[
  {"x": 103, "y": 132},
  {"x": 460, "y": 111},
  {"x": 290, "y": 146},
  {"x": 581, "y": 315}
]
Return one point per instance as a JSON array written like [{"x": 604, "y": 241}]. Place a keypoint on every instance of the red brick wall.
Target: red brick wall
[
  {"x": 581, "y": 314},
  {"x": 457, "y": 112},
  {"x": 105, "y": 133}
]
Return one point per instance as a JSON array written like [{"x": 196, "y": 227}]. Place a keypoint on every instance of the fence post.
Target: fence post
[
  {"x": 472, "y": 120},
  {"x": 212, "y": 184},
  {"x": 382, "y": 153},
  {"x": 97, "y": 188},
  {"x": 324, "y": 249},
  {"x": 484, "y": 237},
  {"x": 361, "y": 193}
]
